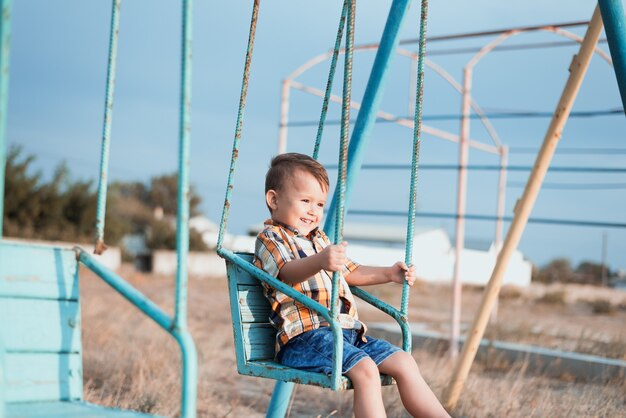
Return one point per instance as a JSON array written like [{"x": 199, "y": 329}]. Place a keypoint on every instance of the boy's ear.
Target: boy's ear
[{"x": 270, "y": 198}]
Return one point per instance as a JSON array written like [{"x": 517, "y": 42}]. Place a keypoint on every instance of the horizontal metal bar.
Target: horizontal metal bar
[
  {"x": 378, "y": 304},
  {"x": 486, "y": 168},
  {"x": 573, "y": 186},
  {"x": 133, "y": 295},
  {"x": 489, "y": 218},
  {"x": 571, "y": 150},
  {"x": 518, "y": 47},
  {"x": 495, "y": 32},
  {"x": 9, "y": 351},
  {"x": 447, "y": 117},
  {"x": 8, "y": 296}
]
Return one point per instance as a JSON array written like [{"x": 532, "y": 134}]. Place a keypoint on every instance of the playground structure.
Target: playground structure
[
  {"x": 66, "y": 276},
  {"x": 463, "y": 139}
]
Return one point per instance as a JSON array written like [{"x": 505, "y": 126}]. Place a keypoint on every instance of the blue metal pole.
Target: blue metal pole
[
  {"x": 370, "y": 103},
  {"x": 106, "y": 129},
  {"x": 5, "y": 39},
  {"x": 615, "y": 27},
  {"x": 1, "y": 378},
  {"x": 182, "y": 213},
  {"x": 190, "y": 366},
  {"x": 190, "y": 372},
  {"x": 153, "y": 311},
  {"x": 280, "y": 400}
]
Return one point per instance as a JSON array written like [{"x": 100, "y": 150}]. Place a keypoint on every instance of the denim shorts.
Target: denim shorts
[{"x": 312, "y": 351}]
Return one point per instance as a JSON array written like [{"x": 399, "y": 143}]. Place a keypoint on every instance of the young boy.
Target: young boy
[{"x": 293, "y": 249}]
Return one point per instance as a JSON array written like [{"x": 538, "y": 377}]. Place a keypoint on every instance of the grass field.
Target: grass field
[{"x": 129, "y": 362}]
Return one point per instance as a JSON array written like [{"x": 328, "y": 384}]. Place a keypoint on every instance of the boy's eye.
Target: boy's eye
[
  {"x": 305, "y": 200},
  {"x": 321, "y": 205}
]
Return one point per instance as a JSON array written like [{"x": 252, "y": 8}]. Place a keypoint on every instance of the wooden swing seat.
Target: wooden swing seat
[
  {"x": 41, "y": 365},
  {"x": 255, "y": 337}
]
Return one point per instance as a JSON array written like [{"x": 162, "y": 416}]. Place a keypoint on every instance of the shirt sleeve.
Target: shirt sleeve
[
  {"x": 347, "y": 268},
  {"x": 271, "y": 252}
]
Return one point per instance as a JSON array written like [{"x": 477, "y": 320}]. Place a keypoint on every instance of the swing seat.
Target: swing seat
[
  {"x": 41, "y": 365},
  {"x": 255, "y": 337}
]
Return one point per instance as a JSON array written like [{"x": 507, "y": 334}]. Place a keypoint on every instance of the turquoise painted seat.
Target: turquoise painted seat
[
  {"x": 255, "y": 337},
  {"x": 40, "y": 329}
]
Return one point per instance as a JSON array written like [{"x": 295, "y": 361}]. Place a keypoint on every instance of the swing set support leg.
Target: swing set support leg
[
  {"x": 280, "y": 400},
  {"x": 615, "y": 26}
]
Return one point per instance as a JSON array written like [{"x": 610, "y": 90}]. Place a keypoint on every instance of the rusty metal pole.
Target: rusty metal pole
[
  {"x": 504, "y": 156},
  {"x": 284, "y": 116},
  {"x": 504, "y": 161},
  {"x": 522, "y": 209},
  {"x": 460, "y": 213}
]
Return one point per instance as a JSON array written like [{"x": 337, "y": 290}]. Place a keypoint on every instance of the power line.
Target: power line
[{"x": 595, "y": 224}]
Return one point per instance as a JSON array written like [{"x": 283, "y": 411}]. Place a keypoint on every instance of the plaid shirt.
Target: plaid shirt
[{"x": 278, "y": 244}]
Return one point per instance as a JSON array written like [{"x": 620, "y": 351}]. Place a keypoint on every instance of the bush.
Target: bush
[
  {"x": 602, "y": 306},
  {"x": 510, "y": 292},
  {"x": 556, "y": 297}
]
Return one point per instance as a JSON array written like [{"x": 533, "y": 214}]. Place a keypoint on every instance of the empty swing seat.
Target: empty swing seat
[
  {"x": 40, "y": 335},
  {"x": 255, "y": 337}
]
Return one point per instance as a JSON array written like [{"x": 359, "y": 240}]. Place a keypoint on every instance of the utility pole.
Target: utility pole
[{"x": 604, "y": 262}]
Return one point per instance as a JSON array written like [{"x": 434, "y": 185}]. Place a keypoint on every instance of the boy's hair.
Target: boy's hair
[{"x": 283, "y": 166}]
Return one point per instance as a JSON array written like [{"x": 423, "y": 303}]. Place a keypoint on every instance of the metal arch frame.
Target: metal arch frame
[
  {"x": 524, "y": 206},
  {"x": 462, "y": 172},
  {"x": 290, "y": 82},
  {"x": 462, "y": 139}
]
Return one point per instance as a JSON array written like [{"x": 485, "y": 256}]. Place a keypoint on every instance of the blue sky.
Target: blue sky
[{"x": 58, "y": 69}]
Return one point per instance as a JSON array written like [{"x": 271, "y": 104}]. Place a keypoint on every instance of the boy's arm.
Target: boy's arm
[
  {"x": 369, "y": 275},
  {"x": 332, "y": 258}
]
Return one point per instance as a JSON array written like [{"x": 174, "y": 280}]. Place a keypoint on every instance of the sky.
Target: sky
[{"x": 57, "y": 85}]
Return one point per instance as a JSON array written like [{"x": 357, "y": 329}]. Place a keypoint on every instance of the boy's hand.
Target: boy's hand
[
  {"x": 400, "y": 273},
  {"x": 333, "y": 257}
]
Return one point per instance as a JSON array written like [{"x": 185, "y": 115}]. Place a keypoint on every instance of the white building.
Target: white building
[{"x": 377, "y": 245}]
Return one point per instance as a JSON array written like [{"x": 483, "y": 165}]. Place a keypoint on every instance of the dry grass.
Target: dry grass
[{"x": 131, "y": 363}]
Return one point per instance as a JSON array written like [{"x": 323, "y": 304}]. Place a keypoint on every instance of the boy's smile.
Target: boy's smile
[{"x": 299, "y": 203}]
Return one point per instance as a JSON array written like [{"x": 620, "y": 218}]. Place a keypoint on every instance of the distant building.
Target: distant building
[{"x": 372, "y": 244}]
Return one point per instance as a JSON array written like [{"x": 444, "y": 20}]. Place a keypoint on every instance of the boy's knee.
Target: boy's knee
[
  {"x": 400, "y": 363},
  {"x": 365, "y": 371}
]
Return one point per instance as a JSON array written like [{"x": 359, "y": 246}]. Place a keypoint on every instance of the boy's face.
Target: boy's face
[{"x": 300, "y": 202}]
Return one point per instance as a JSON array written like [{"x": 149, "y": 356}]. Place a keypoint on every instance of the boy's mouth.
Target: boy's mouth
[{"x": 306, "y": 221}]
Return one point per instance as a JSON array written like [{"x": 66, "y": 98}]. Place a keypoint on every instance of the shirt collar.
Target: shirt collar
[{"x": 291, "y": 230}]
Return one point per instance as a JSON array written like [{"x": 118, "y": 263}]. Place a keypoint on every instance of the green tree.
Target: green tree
[
  {"x": 591, "y": 273},
  {"x": 556, "y": 271},
  {"x": 60, "y": 209},
  {"x": 63, "y": 209},
  {"x": 163, "y": 193}
]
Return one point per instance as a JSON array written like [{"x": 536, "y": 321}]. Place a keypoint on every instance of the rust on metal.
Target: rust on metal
[{"x": 100, "y": 247}]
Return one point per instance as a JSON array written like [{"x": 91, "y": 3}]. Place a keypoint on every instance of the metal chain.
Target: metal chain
[
  {"x": 329, "y": 83},
  {"x": 408, "y": 258},
  {"x": 239, "y": 125}
]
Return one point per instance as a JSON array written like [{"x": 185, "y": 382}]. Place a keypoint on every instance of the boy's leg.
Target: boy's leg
[
  {"x": 416, "y": 395},
  {"x": 368, "y": 398}
]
